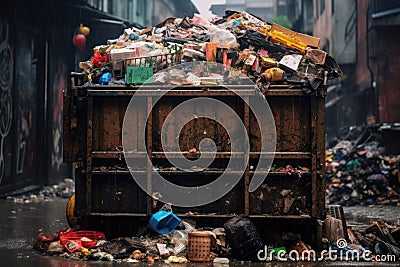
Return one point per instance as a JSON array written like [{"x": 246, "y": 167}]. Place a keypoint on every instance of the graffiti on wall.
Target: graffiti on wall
[
  {"x": 6, "y": 83},
  {"x": 23, "y": 138},
  {"x": 58, "y": 88},
  {"x": 27, "y": 105}
]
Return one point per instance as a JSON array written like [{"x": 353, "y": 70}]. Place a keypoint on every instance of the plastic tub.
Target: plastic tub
[{"x": 164, "y": 222}]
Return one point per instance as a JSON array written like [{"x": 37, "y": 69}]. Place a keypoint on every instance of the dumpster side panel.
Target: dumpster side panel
[
  {"x": 117, "y": 194},
  {"x": 107, "y": 117},
  {"x": 106, "y": 192},
  {"x": 197, "y": 128}
]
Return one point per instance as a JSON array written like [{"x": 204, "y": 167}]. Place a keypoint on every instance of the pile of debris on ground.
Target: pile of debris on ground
[
  {"x": 359, "y": 172},
  {"x": 380, "y": 237},
  {"x": 64, "y": 189},
  {"x": 378, "y": 241},
  {"x": 267, "y": 53},
  {"x": 169, "y": 239}
]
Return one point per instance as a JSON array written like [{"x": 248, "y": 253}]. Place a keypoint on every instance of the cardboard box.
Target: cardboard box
[
  {"x": 122, "y": 53},
  {"x": 307, "y": 39}
]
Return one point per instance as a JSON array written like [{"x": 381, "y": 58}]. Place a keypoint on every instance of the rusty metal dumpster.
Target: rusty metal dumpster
[{"x": 108, "y": 199}]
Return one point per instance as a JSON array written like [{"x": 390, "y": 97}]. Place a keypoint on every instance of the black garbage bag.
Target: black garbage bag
[
  {"x": 258, "y": 40},
  {"x": 243, "y": 238},
  {"x": 96, "y": 74},
  {"x": 383, "y": 248},
  {"x": 252, "y": 38}
]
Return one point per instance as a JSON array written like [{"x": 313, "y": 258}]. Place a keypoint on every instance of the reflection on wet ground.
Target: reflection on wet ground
[
  {"x": 366, "y": 215},
  {"x": 21, "y": 223}
]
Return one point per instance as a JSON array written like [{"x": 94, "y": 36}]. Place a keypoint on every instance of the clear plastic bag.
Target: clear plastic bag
[{"x": 223, "y": 38}]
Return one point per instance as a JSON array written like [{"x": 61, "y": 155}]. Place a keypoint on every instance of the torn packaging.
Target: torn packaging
[
  {"x": 316, "y": 56},
  {"x": 291, "y": 61}
]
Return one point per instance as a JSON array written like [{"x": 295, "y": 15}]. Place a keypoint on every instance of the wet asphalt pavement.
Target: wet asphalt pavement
[{"x": 21, "y": 223}]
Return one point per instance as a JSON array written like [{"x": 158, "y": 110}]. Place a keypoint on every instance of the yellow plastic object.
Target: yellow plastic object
[
  {"x": 265, "y": 30},
  {"x": 289, "y": 42},
  {"x": 267, "y": 62},
  {"x": 70, "y": 211},
  {"x": 84, "y": 30},
  {"x": 85, "y": 252},
  {"x": 307, "y": 39}
]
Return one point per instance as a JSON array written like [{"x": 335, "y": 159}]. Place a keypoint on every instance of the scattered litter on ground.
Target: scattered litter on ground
[
  {"x": 64, "y": 189},
  {"x": 237, "y": 241},
  {"x": 380, "y": 238}
]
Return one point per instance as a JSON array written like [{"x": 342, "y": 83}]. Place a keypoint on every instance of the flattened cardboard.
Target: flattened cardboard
[{"x": 307, "y": 39}]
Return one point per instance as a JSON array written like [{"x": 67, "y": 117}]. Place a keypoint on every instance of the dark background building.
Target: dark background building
[
  {"x": 265, "y": 9},
  {"x": 363, "y": 37}
]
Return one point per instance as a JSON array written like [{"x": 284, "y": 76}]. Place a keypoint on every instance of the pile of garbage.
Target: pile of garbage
[
  {"x": 167, "y": 238},
  {"x": 359, "y": 172},
  {"x": 381, "y": 238},
  {"x": 246, "y": 45}
]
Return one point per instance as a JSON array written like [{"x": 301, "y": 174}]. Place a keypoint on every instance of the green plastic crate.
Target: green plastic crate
[{"x": 138, "y": 75}]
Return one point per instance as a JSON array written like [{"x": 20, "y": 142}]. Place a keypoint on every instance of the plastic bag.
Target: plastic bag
[
  {"x": 223, "y": 38},
  {"x": 179, "y": 236},
  {"x": 243, "y": 238},
  {"x": 180, "y": 239},
  {"x": 99, "y": 59},
  {"x": 188, "y": 227}
]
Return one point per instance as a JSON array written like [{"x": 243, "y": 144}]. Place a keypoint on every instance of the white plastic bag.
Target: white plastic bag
[{"x": 223, "y": 38}]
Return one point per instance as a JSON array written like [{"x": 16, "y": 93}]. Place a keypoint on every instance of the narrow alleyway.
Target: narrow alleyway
[{"x": 21, "y": 223}]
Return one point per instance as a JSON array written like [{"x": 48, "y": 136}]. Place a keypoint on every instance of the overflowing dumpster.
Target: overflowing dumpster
[{"x": 160, "y": 68}]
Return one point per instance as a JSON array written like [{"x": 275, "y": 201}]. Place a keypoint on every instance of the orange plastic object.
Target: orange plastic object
[
  {"x": 273, "y": 74},
  {"x": 70, "y": 211},
  {"x": 211, "y": 52}
]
